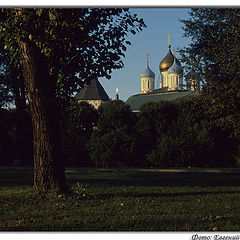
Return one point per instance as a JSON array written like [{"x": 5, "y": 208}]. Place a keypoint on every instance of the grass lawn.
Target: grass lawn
[{"x": 122, "y": 201}]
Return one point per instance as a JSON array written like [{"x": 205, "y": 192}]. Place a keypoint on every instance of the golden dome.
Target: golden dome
[{"x": 167, "y": 61}]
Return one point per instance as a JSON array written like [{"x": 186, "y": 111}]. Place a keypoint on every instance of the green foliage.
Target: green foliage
[
  {"x": 78, "y": 42},
  {"x": 6, "y": 80},
  {"x": 194, "y": 130},
  {"x": 206, "y": 130},
  {"x": 168, "y": 152},
  {"x": 190, "y": 137},
  {"x": 78, "y": 122},
  {"x": 113, "y": 115},
  {"x": 221, "y": 103},
  {"x": 204, "y": 142},
  {"x": 214, "y": 51},
  {"x": 81, "y": 119},
  {"x": 112, "y": 149},
  {"x": 80, "y": 189},
  {"x": 155, "y": 119},
  {"x": 113, "y": 143},
  {"x": 166, "y": 134}
]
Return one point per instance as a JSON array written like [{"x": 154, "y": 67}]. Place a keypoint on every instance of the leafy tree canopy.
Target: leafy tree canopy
[
  {"x": 114, "y": 141},
  {"x": 78, "y": 43},
  {"x": 214, "y": 55},
  {"x": 5, "y": 81},
  {"x": 215, "y": 48},
  {"x": 115, "y": 114}
]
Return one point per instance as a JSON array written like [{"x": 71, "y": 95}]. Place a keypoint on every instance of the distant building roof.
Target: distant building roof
[
  {"x": 136, "y": 101},
  {"x": 92, "y": 91}
]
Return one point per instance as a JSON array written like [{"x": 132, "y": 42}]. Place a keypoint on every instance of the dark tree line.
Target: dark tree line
[{"x": 163, "y": 134}]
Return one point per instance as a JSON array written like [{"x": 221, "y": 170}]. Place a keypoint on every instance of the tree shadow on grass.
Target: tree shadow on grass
[
  {"x": 16, "y": 178},
  {"x": 124, "y": 181},
  {"x": 11, "y": 177},
  {"x": 157, "y": 195},
  {"x": 161, "y": 179}
]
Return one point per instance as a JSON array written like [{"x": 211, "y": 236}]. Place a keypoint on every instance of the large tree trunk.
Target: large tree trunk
[{"x": 48, "y": 157}]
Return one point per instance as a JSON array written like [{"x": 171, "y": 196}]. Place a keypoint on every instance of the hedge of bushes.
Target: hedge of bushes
[{"x": 163, "y": 134}]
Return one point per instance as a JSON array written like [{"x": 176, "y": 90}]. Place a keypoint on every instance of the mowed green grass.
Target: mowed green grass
[{"x": 123, "y": 201}]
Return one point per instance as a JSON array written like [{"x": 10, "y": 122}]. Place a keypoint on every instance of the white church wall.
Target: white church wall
[{"x": 147, "y": 84}]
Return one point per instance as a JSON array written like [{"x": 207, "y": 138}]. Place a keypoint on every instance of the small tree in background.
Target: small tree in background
[
  {"x": 78, "y": 123},
  {"x": 190, "y": 137},
  {"x": 154, "y": 120},
  {"x": 208, "y": 142},
  {"x": 113, "y": 143}
]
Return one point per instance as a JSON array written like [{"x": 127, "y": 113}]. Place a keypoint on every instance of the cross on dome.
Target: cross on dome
[
  {"x": 147, "y": 58},
  {"x": 169, "y": 35}
]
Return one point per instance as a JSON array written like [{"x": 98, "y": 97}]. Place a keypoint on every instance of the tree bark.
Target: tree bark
[{"x": 40, "y": 87}]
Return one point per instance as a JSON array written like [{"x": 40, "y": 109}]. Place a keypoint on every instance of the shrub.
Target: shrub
[
  {"x": 193, "y": 140},
  {"x": 154, "y": 120},
  {"x": 78, "y": 123},
  {"x": 113, "y": 143},
  {"x": 167, "y": 153},
  {"x": 205, "y": 144},
  {"x": 115, "y": 148},
  {"x": 115, "y": 114}
]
